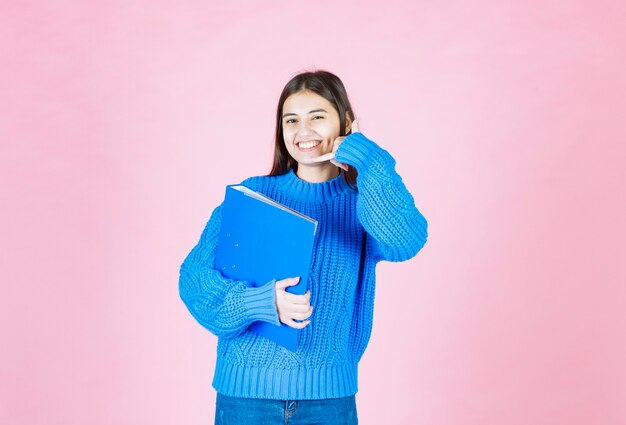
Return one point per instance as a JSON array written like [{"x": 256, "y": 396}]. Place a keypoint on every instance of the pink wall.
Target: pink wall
[{"x": 121, "y": 124}]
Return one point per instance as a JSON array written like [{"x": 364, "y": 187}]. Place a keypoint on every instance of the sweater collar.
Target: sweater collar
[{"x": 302, "y": 190}]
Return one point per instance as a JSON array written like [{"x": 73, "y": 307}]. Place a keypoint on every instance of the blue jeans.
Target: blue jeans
[{"x": 251, "y": 411}]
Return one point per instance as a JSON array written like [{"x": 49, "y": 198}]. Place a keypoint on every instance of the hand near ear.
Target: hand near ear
[{"x": 331, "y": 155}]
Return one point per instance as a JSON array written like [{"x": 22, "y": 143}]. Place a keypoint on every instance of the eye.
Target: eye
[
  {"x": 289, "y": 121},
  {"x": 318, "y": 116}
]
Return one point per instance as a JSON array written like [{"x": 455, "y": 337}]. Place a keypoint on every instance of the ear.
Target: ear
[{"x": 348, "y": 123}]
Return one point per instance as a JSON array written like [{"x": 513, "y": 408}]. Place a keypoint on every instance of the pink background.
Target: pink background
[{"x": 120, "y": 124}]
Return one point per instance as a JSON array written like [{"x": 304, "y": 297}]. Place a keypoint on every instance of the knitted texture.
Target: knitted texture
[{"x": 357, "y": 228}]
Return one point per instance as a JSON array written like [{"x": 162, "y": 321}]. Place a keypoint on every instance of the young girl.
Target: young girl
[{"x": 365, "y": 215}]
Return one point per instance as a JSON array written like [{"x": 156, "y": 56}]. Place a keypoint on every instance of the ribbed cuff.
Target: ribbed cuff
[
  {"x": 361, "y": 152},
  {"x": 260, "y": 303}
]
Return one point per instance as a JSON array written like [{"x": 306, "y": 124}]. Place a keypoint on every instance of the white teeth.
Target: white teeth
[{"x": 307, "y": 145}]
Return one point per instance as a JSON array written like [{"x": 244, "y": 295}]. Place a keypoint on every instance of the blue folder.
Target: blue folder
[{"x": 261, "y": 240}]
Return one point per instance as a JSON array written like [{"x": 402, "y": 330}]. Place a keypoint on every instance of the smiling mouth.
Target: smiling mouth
[{"x": 309, "y": 145}]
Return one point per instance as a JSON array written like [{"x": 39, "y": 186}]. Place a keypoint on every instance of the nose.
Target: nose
[{"x": 304, "y": 129}]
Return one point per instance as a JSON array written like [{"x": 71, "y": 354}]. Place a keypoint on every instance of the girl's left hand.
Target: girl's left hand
[{"x": 331, "y": 155}]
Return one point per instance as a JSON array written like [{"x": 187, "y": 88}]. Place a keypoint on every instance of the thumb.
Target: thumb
[{"x": 290, "y": 281}]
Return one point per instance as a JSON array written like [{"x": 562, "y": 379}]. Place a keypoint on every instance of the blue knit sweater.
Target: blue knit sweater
[{"x": 357, "y": 229}]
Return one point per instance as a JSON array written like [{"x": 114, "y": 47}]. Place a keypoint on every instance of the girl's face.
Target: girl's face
[{"x": 310, "y": 126}]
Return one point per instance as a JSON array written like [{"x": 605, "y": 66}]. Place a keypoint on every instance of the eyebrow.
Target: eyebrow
[{"x": 310, "y": 112}]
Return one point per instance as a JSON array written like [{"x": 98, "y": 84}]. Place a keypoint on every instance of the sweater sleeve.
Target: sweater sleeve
[
  {"x": 226, "y": 307},
  {"x": 385, "y": 208}
]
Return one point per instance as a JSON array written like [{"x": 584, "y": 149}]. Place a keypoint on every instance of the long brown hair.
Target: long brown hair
[{"x": 330, "y": 87}]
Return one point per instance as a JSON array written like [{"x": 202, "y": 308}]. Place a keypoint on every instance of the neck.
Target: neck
[
  {"x": 302, "y": 190},
  {"x": 318, "y": 173}
]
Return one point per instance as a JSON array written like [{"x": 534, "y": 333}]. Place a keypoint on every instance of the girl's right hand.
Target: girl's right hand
[{"x": 292, "y": 307}]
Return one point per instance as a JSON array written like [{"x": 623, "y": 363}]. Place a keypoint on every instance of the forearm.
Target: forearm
[
  {"x": 226, "y": 307},
  {"x": 385, "y": 208}
]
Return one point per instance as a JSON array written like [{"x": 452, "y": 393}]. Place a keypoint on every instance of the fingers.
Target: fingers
[
  {"x": 297, "y": 325},
  {"x": 326, "y": 157},
  {"x": 292, "y": 308},
  {"x": 297, "y": 299},
  {"x": 340, "y": 164},
  {"x": 290, "y": 320},
  {"x": 302, "y": 315},
  {"x": 355, "y": 126},
  {"x": 292, "y": 298},
  {"x": 321, "y": 158}
]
